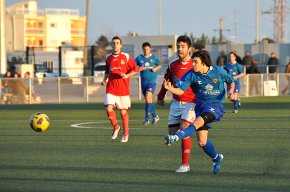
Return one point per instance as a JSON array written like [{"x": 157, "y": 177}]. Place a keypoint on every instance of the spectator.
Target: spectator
[
  {"x": 27, "y": 85},
  {"x": 273, "y": 63},
  {"x": 222, "y": 59},
  {"x": 247, "y": 59},
  {"x": 18, "y": 89},
  {"x": 253, "y": 79},
  {"x": 287, "y": 71}
]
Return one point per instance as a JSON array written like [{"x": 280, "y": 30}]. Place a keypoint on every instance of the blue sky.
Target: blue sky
[{"x": 118, "y": 17}]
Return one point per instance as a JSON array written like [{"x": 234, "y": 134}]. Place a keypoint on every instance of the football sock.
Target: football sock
[
  {"x": 186, "y": 145},
  {"x": 236, "y": 103},
  {"x": 125, "y": 118},
  {"x": 147, "y": 111},
  {"x": 112, "y": 118},
  {"x": 209, "y": 149},
  {"x": 152, "y": 110},
  {"x": 186, "y": 132}
]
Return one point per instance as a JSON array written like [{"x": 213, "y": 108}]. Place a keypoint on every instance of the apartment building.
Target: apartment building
[{"x": 26, "y": 25}]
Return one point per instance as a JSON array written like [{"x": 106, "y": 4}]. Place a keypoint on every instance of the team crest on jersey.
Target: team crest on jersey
[
  {"x": 208, "y": 87},
  {"x": 151, "y": 60},
  {"x": 122, "y": 62},
  {"x": 214, "y": 80}
]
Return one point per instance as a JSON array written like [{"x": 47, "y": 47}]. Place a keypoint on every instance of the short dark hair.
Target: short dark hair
[
  {"x": 204, "y": 57},
  {"x": 117, "y": 37},
  {"x": 185, "y": 39},
  {"x": 234, "y": 53},
  {"x": 146, "y": 44}
]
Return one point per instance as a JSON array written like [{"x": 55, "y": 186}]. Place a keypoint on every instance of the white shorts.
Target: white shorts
[
  {"x": 121, "y": 102},
  {"x": 181, "y": 111}
]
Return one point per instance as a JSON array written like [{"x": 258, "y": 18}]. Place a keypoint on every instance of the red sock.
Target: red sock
[
  {"x": 186, "y": 145},
  {"x": 112, "y": 118},
  {"x": 125, "y": 118}
]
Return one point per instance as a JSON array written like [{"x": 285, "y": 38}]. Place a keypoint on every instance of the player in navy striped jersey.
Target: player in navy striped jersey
[
  {"x": 207, "y": 82},
  {"x": 148, "y": 66}
]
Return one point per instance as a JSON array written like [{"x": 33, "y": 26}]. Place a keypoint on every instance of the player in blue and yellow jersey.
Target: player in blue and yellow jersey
[
  {"x": 148, "y": 66},
  {"x": 208, "y": 84},
  {"x": 236, "y": 70}
]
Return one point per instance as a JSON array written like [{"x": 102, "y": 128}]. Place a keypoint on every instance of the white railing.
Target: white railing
[{"x": 89, "y": 89}]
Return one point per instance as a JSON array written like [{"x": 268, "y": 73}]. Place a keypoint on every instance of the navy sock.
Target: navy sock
[
  {"x": 147, "y": 111},
  {"x": 236, "y": 102},
  {"x": 186, "y": 132},
  {"x": 209, "y": 149},
  {"x": 152, "y": 110}
]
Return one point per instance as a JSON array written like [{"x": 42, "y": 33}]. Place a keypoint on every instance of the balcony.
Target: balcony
[
  {"x": 32, "y": 31},
  {"x": 78, "y": 32}
]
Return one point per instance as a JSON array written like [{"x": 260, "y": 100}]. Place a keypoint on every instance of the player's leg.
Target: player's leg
[
  {"x": 123, "y": 103},
  {"x": 149, "y": 99},
  {"x": 188, "y": 117},
  {"x": 147, "y": 106},
  {"x": 237, "y": 101},
  {"x": 110, "y": 103},
  {"x": 209, "y": 149}
]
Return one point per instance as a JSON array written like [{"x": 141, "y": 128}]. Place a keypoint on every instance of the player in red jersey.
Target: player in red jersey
[
  {"x": 182, "y": 112},
  {"x": 119, "y": 68}
]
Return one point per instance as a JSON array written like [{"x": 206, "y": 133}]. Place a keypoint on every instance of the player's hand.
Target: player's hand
[
  {"x": 230, "y": 96},
  {"x": 167, "y": 84},
  {"x": 103, "y": 83},
  {"x": 124, "y": 76},
  {"x": 160, "y": 102}
]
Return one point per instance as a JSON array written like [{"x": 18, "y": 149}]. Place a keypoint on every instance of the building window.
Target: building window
[
  {"x": 52, "y": 25},
  {"x": 40, "y": 42}
]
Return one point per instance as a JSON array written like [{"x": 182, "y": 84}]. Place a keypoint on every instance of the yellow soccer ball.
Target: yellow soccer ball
[{"x": 39, "y": 122}]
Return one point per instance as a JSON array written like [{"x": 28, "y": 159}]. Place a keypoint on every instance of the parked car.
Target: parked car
[{"x": 99, "y": 71}]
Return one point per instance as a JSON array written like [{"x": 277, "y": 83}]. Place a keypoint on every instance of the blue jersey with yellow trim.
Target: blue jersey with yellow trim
[
  {"x": 148, "y": 76},
  {"x": 209, "y": 87}
]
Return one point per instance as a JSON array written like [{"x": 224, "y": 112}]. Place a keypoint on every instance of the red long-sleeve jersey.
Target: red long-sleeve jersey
[{"x": 177, "y": 69}]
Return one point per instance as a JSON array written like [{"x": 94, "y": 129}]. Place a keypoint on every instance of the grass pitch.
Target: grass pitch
[{"x": 77, "y": 154}]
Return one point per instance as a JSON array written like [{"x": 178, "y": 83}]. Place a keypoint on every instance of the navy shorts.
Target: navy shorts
[{"x": 148, "y": 87}]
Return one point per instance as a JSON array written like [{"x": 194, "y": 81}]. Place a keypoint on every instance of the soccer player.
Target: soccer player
[
  {"x": 236, "y": 70},
  {"x": 208, "y": 84},
  {"x": 148, "y": 66},
  {"x": 119, "y": 68},
  {"x": 181, "y": 113}
]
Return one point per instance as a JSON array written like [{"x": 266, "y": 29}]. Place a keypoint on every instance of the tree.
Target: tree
[{"x": 100, "y": 50}]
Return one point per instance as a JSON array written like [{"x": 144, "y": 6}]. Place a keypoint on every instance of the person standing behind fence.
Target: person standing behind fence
[
  {"x": 273, "y": 63},
  {"x": 148, "y": 66},
  {"x": 235, "y": 69},
  {"x": 253, "y": 78},
  {"x": 287, "y": 86},
  {"x": 222, "y": 59},
  {"x": 119, "y": 68},
  {"x": 247, "y": 59}
]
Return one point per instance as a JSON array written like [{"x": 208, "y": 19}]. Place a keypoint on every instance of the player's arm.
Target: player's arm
[
  {"x": 162, "y": 92},
  {"x": 231, "y": 91},
  {"x": 154, "y": 69},
  {"x": 106, "y": 76},
  {"x": 133, "y": 69},
  {"x": 240, "y": 73},
  {"x": 175, "y": 90}
]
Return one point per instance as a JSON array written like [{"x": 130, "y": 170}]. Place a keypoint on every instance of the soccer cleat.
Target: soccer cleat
[
  {"x": 235, "y": 111},
  {"x": 146, "y": 122},
  {"x": 115, "y": 132},
  {"x": 125, "y": 138},
  {"x": 217, "y": 165},
  {"x": 182, "y": 169},
  {"x": 155, "y": 120},
  {"x": 170, "y": 139}
]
